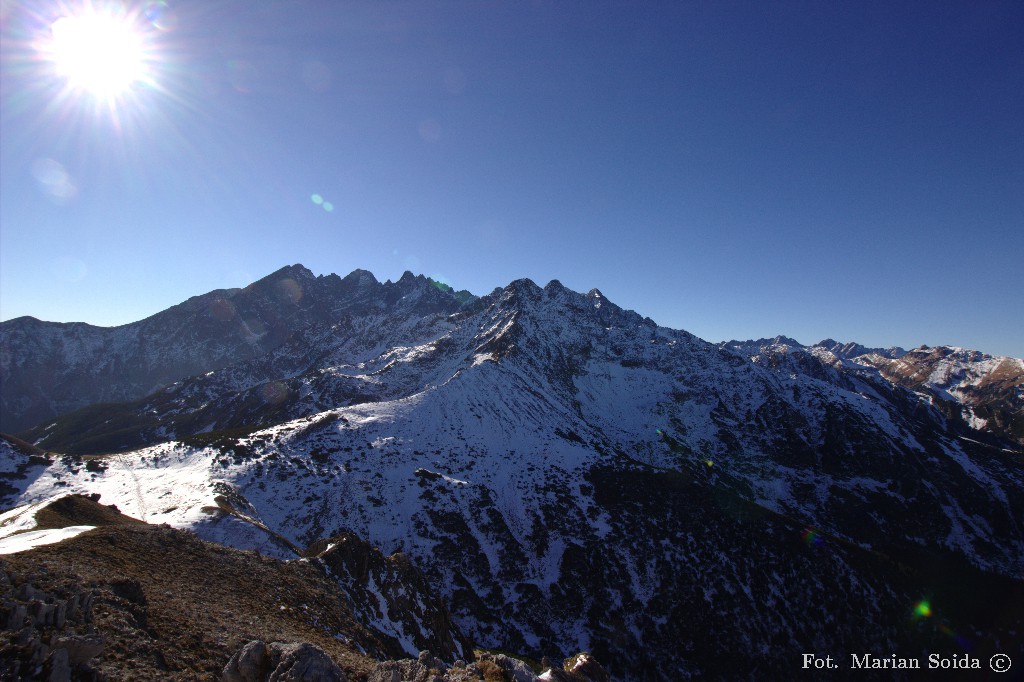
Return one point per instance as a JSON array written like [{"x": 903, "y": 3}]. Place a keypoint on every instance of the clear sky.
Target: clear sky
[{"x": 851, "y": 170}]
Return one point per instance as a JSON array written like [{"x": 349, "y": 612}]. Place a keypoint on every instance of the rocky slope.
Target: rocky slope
[
  {"x": 129, "y": 601},
  {"x": 570, "y": 476},
  {"x": 982, "y": 391},
  {"x": 158, "y": 603}
]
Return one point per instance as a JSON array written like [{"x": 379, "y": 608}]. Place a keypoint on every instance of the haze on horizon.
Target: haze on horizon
[{"x": 735, "y": 169}]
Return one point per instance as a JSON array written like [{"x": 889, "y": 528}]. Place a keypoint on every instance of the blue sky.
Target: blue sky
[{"x": 736, "y": 169}]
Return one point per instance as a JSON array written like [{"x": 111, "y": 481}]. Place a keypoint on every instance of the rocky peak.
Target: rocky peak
[
  {"x": 26, "y": 321},
  {"x": 559, "y": 310},
  {"x": 753, "y": 347},
  {"x": 554, "y": 286},
  {"x": 409, "y": 283},
  {"x": 780, "y": 341},
  {"x": 360, "y": 278},
  {"x": 848, "y": 351},
  {"x": 420, "y": 295},
  {"x": 521, "y": 290},
  {"x": 296, "y": 272}
]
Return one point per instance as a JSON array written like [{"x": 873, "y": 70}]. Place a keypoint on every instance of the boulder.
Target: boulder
[
  {"x": 249, "y": 664},
  {"x": 406, "y": 670},
  {"x": 515, "y": 670},
  {"x": 281, "y": 662},
  {"x": 303, "y": 663},
  {"x": 80, "y": 648},
  {"x": 579, "y": 668}
]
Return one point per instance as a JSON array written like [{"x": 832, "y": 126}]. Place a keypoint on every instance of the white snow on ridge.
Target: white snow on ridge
[
  {"x": 17, "y": 526},
  {"x": 21, "y": 518},
  {"x": 167, "y": 483},
  {"x": 20, "y": 542}
]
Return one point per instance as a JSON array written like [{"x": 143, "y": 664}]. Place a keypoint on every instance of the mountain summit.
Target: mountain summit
[{"x": 48, "y": 368}]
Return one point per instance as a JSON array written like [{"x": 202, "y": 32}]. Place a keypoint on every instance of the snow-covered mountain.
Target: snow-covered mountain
[
  {"x": 984, "y": 391},
  {"x": 49, "y": 368},
  {"x": 980, "y": 391},
  {"x": 571, "y": 476}
]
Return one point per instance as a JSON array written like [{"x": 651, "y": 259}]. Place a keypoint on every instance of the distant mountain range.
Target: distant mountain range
[
  {"x": 49, "y": 368},
  {"x": 565, "y": 474}
]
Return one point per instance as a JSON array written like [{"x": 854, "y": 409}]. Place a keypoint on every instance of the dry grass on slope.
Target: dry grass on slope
[
  {"x": 172, "y": 607},
  {"x": 79, "y": 510}
]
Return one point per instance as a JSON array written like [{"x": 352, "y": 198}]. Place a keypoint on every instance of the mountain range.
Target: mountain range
[{"x": 565, "y": 475}]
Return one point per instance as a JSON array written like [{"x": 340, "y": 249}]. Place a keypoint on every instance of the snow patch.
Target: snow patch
[{"x": 20, "y": 542}]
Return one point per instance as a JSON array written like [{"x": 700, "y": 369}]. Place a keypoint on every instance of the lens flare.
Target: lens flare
[
  {"x": 922, "y": 611},
  {"x": 253, "y": 330},
  {"x": 274, "y": 393},
  {"x": 961, "y": 641},
  {"x": 319, "y": 200},
  {"x": 160, "y": 15},
  {"x": 242, "y": 75},
  {"x": 289, "y": 290},
  {"x": 54, "y": 180},
  {"x": 223, "y": 310},
  {"x": 812, "y": 538}
]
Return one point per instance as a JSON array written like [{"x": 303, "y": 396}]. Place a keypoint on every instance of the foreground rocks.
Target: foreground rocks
[
  {"x": 489, "y": 668},
  {"x": 130, "y": 601},
  {"x": 153, "y": 604},
  {"x": 49, "y": 633},
  {"x": 258, "y": 661}
]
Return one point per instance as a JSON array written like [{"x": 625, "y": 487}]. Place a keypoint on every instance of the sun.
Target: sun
[{"x": 100, "y": 53}]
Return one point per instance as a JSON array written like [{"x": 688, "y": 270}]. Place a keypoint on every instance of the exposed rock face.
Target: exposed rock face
[
  {"x": 513, "y": 669},
  {"x": 387, "y": 593},
  {"x": 79, "y": 510},
  {"x": 250, "y": 664},
  {"x": 487, "y": 668},
  {"x": 585, "y": 667},
  {"x": 391, "y": 595},
  {"x": 20, "y": 464},
  {"x": 849, "y": 351},
  {"x": 281, "y": 662},
  {"x": 50, "y": 368},
  {"x": 427, "y": 668},
  {"x": 46, "y": 634},
  {"x": 424, "y": 669},
  {"x": 982, "y": 392}
]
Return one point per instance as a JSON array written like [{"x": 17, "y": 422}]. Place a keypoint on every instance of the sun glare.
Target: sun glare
[{"x": 99, "y": 53}]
